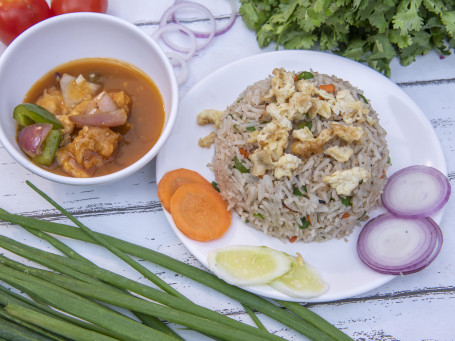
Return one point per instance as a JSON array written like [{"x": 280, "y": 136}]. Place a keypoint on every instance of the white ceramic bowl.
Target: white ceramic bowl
[{"x": 72, "y": 36}]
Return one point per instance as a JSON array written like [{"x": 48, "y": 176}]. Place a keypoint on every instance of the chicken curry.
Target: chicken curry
[{"x": 90, "y": 117}]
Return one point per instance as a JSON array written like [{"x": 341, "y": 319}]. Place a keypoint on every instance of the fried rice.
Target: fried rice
[{"x": 301, "y": 198}]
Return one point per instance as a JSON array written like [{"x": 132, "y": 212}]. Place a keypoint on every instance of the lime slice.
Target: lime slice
[
  {"x": 248, "y": 265},
  {"x": 302, "y": 281}
]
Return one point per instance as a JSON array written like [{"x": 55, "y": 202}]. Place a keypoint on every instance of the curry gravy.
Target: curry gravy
[{"x": 146, "y": 118}]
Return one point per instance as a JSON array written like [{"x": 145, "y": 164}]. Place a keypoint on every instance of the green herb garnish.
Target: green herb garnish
[
  {"x": 363, "y": 98},
  {"x": 363, "y": 215},
  {"x": 305, "y": 75},
  {"x": 300, "y": 192},
  {"x": 239, "y": 166},
  {"x": 81, "y": 277},
  {"x": 304, "y": 124},
  {"x": 252, "y": 128},
  {"x": 389, "y": 160},
  {"x": 259, "y": 215},
  {"x": 305, "y": 223},
  {"x": 215, "y": 185},
  {"x": 346, "y": 201}
]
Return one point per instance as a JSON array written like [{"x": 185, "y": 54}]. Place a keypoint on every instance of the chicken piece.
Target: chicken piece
[
  {"x": 285, "y": 165},
  {"x": 121, "y": 99},
  {"x": 107, "y": 109},
  {"x": 341, "y": 154},
  {"x": 90, "y": 149},
  {"x": 206, "y": 142},
  {"x": 210, "y": 116},
  {"x": 262, "y": 162},
  {"x": 52, "y": 100},
  {"x": 311, "y": 147},
  {"x": 347, "y": 133},
  {"x": 68, "y": 128},
  {"x": 83, "y": 107},
  {"x": 345, "y": 181},
  {"x": 282, "y": 87},
  {"x": 273, "y": 138}
]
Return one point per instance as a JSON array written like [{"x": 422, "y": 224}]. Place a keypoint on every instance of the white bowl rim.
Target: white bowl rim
[{"x": 148, "y": 157}]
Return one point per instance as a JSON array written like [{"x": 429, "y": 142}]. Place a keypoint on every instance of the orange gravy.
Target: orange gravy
[{"x": 147, "y": 108}]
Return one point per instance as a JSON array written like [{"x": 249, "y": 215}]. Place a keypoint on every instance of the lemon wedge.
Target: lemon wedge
[
  {"x": 248, "y": 265},
  {"x": 302, "y": 280}
]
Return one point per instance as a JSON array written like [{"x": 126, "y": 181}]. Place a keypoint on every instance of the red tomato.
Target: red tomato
[
  {"x": 68, "y": 6},
  {"x": 18, "y": 15}
]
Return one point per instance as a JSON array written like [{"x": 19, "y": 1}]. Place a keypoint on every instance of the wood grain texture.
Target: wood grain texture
[{"x": 420, "y": 306}]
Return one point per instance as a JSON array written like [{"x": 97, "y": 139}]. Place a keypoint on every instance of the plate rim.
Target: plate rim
[{"x": 189, "y": 244}]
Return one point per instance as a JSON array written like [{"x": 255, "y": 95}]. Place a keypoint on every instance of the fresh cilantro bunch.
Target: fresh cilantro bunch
[{"x": 369, "y": 31}]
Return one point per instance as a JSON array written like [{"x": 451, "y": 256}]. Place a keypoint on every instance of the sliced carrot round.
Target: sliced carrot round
[
  {"x": 172, "y": 180},
  {"x": 200, "y": 212}
]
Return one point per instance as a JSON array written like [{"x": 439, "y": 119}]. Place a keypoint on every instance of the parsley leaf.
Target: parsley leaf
[{"x": 368, "y": 31}]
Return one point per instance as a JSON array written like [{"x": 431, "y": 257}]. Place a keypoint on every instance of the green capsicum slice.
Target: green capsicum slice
[
  {"x": 27, "y": 113},
  {"x": 49, "y": 148}
]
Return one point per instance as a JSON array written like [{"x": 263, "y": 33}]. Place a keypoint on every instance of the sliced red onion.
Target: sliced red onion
[
  {"x": 175, "y": 60},
  {"x": 416, "y": 192},
  {"x": 396, "y": 246},
  {"x": 177, "y": 27},
  {"x": 230, "y": 23},
  {"x": 31, "y": 138},
  {"x": 104, "y": 102},
  {"x": 100, "y": 118},
  {"x": 187, "y": 4},
  {"x": 73, "y": 89}
]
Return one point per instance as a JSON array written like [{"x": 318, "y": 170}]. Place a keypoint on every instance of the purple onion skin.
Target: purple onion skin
[
  {"x": 31, "y": 138},
  {"x": 445, "y": 192},
  {"x": 433, "y": 231}
]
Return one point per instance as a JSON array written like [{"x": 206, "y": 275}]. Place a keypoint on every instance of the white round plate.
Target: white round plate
[{"x": 410, "y": 137}]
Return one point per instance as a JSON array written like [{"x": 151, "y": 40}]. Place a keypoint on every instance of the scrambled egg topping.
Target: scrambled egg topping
[
  {"x": 345, "y": 181},
  {"x": 291, "y": 100},
  {"x": 209, "y": 116},
  {"x": 273, "y": 138},
  {"x": 341, "y": 154}
]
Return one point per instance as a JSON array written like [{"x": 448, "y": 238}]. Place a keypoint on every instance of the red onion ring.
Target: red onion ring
[
  {"x": 177, "y": 59},
  {"x": 396, "y": 246},
  {"x": 416, "y": 192},
  {"x": 168, "y": 13},
  {"x": 31, "y": 138},
  {"x": 177, "y": 27},
  {"x": 230, "y": 23}
]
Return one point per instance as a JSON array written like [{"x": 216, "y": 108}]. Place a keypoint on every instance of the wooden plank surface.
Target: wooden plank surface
[{"x": 414, "y": 307}]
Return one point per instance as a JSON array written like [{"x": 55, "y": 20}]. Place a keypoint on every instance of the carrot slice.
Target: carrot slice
[
  {"x": 327, "y": 87},
  {"x": 172, "y": 180},
  {"x": 200, "y": 212}
]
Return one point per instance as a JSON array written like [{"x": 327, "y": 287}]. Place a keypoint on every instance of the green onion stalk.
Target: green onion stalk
[{"x": 86, "y": 284}]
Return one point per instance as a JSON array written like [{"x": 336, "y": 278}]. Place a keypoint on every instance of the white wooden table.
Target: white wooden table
[{"x": 413, "y": 307}]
